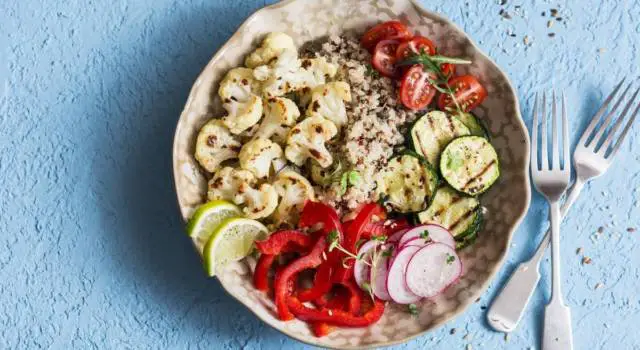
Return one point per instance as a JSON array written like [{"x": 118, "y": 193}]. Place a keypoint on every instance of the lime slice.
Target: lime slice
[
  {"x": 207, "y": 218},
  {"x": 232, "y": 241}
]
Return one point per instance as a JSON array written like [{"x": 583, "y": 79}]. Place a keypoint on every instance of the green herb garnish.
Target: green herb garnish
[
  {"x": 424, "y": 234},
  {"x": 450, "y": 259},
  {"x": 371, "y": 72},
  {"x": 412, "y": 309},
  {"x": 349, "y": 178}
]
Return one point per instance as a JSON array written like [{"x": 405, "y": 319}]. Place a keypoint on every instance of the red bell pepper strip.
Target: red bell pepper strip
[
  {"x": 260, "y": 275},
  {"x": 284, "y": 241},
  {"x": 311, "y": 260},
  {"x": 321, "y": 283},
  {"x": 335, "y": 317},
  {"x": 319, "y": 213},
  {"x": 345, "y": 299},
  {"x": 356, "y": 229}
]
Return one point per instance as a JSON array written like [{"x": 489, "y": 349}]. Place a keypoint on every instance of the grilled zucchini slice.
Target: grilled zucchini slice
[
  {"x": 407, "y": 183},
  {"x": 457, "y": 212},
  {"x": 470, "y": 164},
  {"x": 433, "y": 131},
  {"x": 475, "y": 125}
]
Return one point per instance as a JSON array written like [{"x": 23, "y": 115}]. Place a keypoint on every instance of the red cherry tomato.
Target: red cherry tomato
[
  {"x": 416, "y": 92},
  {"x": 387, "y": 30},
  {"x": 415, "y": 47},
  {"x": 468, "y": 92},
  {"x": 384, "y": 57},
  {"x": 448, "y": 69}
]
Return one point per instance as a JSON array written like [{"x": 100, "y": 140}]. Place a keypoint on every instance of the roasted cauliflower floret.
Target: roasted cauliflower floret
[
  {"x": 238, "y": 91},
  {"x": 257, "y": 203},
  {"x": 317, "y": 71},
  {"x": 215, "y": 144},
  {"x": 328, "y": 100},
  {"x": 226, "y": 181},
  {"x": 280, "y": 114},
  {"x": 272, "y": 46},
  {"x": 293, "y": 189},
  {"x": 281, "y": 76},
  {"x": 258, "y": 156},
  {"x": 307, "y": 140}
]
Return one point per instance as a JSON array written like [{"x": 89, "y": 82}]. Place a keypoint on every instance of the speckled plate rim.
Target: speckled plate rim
[{"x": 525, "y": 172}]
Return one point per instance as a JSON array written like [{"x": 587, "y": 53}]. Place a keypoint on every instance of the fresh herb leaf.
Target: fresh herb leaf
[
  {"x": 450, "y": 259},
  {"x": 332, "y": 239},
  {"x": 412, "y": 309},
  {"x": 424, "y": 234},
  {"x": 387, "y": 253},
  {"x": 380, "y": 238},
  {"x": 445, "y": 59},
  {"x": 371, "y": 72},
  {"x": 354, "y": 177},
  {"x": 366, "y": 287},
  {"x": 343, "y": 184}
]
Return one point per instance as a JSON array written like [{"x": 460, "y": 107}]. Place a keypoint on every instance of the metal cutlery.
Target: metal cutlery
[{"x": 590, "y": 160}]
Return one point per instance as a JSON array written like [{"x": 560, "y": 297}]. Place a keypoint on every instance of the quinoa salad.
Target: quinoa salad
[{"x": 355, "y": 161}]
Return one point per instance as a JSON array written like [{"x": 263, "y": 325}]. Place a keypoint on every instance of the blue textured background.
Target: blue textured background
[{"x": 92, "y": 251}]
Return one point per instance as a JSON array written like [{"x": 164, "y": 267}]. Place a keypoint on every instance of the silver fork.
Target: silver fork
[
  {"x": 552, "y": 180},
  {"x": 590, "y": 161}
]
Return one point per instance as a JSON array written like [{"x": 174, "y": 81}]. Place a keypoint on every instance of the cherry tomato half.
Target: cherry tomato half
[
  {"x": 387, "y": 30},
  {"x": 414, "y": 47},
  {"x": 416, "y": 92},
  {"x": 448, "y": 69},
  {"x": 384, "y": 57},
  {"x": 468, "y": 92}
]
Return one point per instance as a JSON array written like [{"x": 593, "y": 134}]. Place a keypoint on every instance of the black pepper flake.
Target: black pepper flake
[
  {"x": 483, "y": 307},
  {"x": 452, "y": 331},
  {"x": 503, "y": 2},
  {"x": 559, "y": 19},
  {"x": 554, "y": 12},
  {"x": 631, "y": 229},
  {"x": 513, "y": 35},
  {"x": 551, "y": 35},
  {"x": 543, "y": 14}
]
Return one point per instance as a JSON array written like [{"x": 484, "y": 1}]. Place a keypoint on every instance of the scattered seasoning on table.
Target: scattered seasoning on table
[
  {"x": 549, "y": 24},
  {"x": 579, "y": 251},
  {"x": 478, "y": 300},
  {"x": 543, "y": 14},
  {"x": 559, "y": 19},
  {"x": 602, "y": 50},
  {"x": 504, "y": 14},
  {"x": 554, "y": 12},
  {"x": 525, "y": 40},
  {"x": 469, "y": 347},
  {"x": 600, "y": 230},
  {"x": 467, "y": 336},
  {"x": 586, "y": 260},
  {"x": 551, "y": 35},
  {"x": 631, "y": 229},
  {"x": 452, "y": 331},
  {"x": 598, "y": 286},
  {"x": 506, "y": 337},
  {"x": 483, "y": 307},
  {"x": 502, "y": 2}
]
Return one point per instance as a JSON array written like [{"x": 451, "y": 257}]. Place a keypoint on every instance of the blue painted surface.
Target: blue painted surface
[{"x": 92, "y": 253}]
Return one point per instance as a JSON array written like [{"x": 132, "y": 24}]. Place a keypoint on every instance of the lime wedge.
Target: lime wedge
[
  {"x": 207, "y": 218},
  {"x": 232, "y": 241}
]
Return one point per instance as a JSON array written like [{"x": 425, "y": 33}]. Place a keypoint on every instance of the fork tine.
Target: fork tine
[
  {"x": 593, "y": 144},
  {"x": 598, "y": 115},
  {"x": 555, "y": 151},
  {"x": 534, "y": 136},
  {"x": 616, "y": 126},
  {"x": 565, "y": 136},
  {"x": 615, "y": 148},
  {"x": 544, "y": 156}
]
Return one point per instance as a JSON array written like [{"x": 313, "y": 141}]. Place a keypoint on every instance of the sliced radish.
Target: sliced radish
[
  {"x": 394, "y": 238},
  {"x": 432, "y": 269},
  {"x": 379, "y": 274},
  {"x": 396, "y": 283},
  {"x": 362, "y": 271},
  {"x": 436, "y": 233}
]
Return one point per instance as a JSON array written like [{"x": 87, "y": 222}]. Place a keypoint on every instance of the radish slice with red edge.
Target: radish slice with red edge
[
  {"x": 436, "y": 233},
  {"x": 432, "y": 269},
  {"x": 394, "y": 238},
  {"x": 396, "y": 283},
  {"x": 379, "y": 273},
  {"x": 362, "y": 271}
]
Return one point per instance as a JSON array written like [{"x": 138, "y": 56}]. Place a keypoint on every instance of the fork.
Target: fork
[
  {"x": 589, "y": 161},
  {"x": 552, "y": 180}
]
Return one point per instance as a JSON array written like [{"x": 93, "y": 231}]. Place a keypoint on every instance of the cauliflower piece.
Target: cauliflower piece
[
  {"x": 307, "y": 140},
  {"x": 317, "y": 71},
  {"x": 328, "y": 100},
  {"x": 238, "y": 93},
  {"x": 282, "y": 76},
  {"x": 293, "y": 189},
  {"x": 258, "y": 155},
  {"x": 272, "y": 46},
  {"x": 215, "y": 144},
  {"x": 226, "y": 181},
  {"x": 258, "y": 203},
  {"x": 280, "y": 115}
]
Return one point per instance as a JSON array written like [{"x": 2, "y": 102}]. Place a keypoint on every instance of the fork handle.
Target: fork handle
[{"x": 509, "y": 305}]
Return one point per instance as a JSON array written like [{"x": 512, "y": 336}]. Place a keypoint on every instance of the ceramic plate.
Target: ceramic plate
[{"x": 506, "y": 202}]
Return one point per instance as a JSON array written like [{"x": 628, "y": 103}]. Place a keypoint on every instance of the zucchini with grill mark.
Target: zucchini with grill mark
[
  {"x": 475, "y": 125},
  {"x": 433, "y": 131},
  {"x": 470, "y": 164},
  {"x": 407, "y": 183},
  {"x": 457, "y": 212}
]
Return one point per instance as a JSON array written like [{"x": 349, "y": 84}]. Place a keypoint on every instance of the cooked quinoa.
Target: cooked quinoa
[{"x": 376, "y": 121}]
